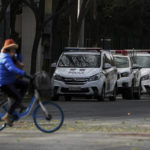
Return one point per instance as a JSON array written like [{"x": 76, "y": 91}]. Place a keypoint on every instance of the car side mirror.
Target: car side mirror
[
  {"x": 107, "y": 66},
  {"x": 135, "y": 66},
  {"x": 53, "y": 65}
]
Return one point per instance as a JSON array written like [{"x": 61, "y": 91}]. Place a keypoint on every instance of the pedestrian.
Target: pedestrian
[{"x": 14, "y": 88}]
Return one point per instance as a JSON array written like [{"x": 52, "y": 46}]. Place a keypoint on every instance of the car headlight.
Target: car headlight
[
  {"x": 125, "y": 74},
  {"x": 95, "y": 77},
  {"x": 58, "y": 77},
  {"x": 145, "y": 77}
]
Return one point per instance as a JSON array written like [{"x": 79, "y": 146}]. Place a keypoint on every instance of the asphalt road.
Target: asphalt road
[{"x": 89, "y": 125}]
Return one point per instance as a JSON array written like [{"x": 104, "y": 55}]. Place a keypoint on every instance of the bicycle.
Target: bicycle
[{"x": 48, "y": 117}]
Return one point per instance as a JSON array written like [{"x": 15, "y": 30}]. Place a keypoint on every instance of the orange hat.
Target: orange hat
[{"x": 10, "y": 43}]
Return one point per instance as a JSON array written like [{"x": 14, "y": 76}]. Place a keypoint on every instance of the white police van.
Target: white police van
[
  {"x": 129, "y": 76},
  {"x": 88, "y": 72},
  {"x": 143, "y": 59}
]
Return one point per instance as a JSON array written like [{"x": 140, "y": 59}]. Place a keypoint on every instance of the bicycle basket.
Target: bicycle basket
[{"x": 42, "y": 84}]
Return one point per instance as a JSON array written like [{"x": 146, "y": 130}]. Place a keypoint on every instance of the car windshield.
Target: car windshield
[
  {"x": 143, "y": 61},
  {"x": 79, "y": 61},
  {"x": 121, "y": 62}
]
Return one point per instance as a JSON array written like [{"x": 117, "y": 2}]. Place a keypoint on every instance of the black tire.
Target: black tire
[
  {"x": 128, "y": 93},
  {"x": 124, "y": 95},
  {"x": 68, "y": 98},
  {"x": 137, "y": 95},
  {"x": 113, "y": 97},
  {"x": 102, "y": 96}
]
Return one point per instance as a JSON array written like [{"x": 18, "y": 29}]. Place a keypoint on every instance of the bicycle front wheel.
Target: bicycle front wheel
[{"x": 49, "y": 121}]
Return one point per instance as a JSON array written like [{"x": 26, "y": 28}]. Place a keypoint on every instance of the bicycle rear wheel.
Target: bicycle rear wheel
[{"x": 51, "y": 121}]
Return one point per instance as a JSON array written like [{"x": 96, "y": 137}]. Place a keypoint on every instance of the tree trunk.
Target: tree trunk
[
  {"x": 39, "y": 16},
  {"x": 35, "y": 49},
  {"x": 94, "y": 25},
  {"x": 76, "y": 22},
  {"x": 73, "y": 38}
]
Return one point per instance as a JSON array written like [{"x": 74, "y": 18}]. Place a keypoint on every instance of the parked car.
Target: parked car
[
  {"x": 129, "y": 77},
  {"x": 143, "y": 59},
  {"x": 85, "y": 72}
]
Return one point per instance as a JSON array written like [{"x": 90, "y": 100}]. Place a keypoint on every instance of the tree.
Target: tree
[
  {"x": 38, "y": 11},
  {"x": 4, "y": 6},
  {"x": 76, "y": 21}
]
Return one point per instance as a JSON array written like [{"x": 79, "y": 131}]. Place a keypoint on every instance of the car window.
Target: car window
[
  {"x": 143, "y": 61},
  {"x": 121, "y": 62},
  {"x": 79, "y": 61}
]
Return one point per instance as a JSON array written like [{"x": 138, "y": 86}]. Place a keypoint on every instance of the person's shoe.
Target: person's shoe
[{"x": 8, "y": 119}]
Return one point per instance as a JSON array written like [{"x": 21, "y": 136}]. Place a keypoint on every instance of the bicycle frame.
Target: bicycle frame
[
  {"x": 47, "y": 116},
  {"x": 34, "y": 99}
]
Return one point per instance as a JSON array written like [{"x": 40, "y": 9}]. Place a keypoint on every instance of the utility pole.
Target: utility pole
[{"x": 81, "y": 36}]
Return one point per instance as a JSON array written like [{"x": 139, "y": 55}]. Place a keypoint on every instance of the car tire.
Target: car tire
[
  {"x": 113, "y": 97},
  {"x": 124, "y": 95},
  {"x": 102, "y": 96},
  {"x": 128, "y": 94},
  {"x": 137, "y": 95},
  {"x": 68, "y": 98}
]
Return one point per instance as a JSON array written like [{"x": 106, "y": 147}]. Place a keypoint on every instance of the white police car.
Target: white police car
[
  {"x": 129, "y": 77},
  {"x": 85, "y": 72},
  {"x": 143, "y": 59}
]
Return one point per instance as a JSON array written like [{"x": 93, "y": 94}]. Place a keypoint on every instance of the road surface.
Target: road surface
[{"x": 88, "y": 125}]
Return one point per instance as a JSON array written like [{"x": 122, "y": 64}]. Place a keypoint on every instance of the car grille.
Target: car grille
[
  {"x": 75, "y": 81},
  {"x": 66, "y": 90}
]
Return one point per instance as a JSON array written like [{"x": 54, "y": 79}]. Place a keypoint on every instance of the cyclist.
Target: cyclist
[{"x": 13, "y": 87}]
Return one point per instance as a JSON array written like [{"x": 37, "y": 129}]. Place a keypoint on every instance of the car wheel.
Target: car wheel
[
  {"x": 137, "y": 95},
  {"x": 123, "y": 95},
  {"x": 102, "y": 96},
  {"x": 68, "y": 98},
  {"x": 113, "y": 97},
  {"x": 128, "y": 94}
]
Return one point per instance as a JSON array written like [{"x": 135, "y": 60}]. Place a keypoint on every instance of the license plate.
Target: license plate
[{"x": 74, "y": 89}]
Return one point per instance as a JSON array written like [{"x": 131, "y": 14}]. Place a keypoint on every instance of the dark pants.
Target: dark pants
[{"x": 16, "y": 91}]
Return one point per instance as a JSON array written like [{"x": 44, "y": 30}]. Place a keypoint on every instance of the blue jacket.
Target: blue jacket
[{"x": 8, "y": 70}]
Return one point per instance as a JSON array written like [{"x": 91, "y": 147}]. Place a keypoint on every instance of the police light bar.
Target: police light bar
[
  {"x": 123, "y": 52},
  {"x": 131, "y": 50},
  {"x": 138, "y": 50},
  {"x": 83, "y": 48}
]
